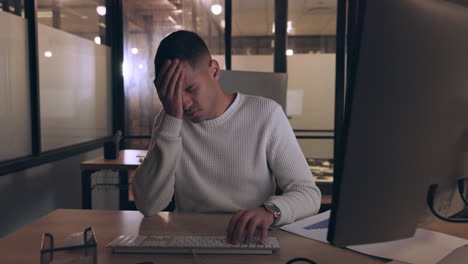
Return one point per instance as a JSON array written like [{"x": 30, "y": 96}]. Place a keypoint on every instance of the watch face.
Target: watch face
[{"x": 273, "y": 209}]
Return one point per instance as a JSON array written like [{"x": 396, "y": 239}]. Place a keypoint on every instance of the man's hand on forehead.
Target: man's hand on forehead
[{"x": 169, "y": 84}]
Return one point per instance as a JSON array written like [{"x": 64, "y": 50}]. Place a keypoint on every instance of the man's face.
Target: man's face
[{"x": 199, "y": 96}]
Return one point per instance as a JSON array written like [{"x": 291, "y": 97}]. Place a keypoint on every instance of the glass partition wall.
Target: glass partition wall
[
  {"x": 311, "y": 63},
  {"x": 311, "y": 46},
  {"x": 74, "y": 72}
]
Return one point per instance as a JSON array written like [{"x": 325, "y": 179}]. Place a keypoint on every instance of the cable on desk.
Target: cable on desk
[
  {"x": 300, "y": 259},
  {"x": 461, "y": 189},
  {"x": 430, "y": 202}
]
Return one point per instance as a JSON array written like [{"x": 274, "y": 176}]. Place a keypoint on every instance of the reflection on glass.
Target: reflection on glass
[
  {"x": 84, "y": 18},
  {"x": 146, "y": 23}
]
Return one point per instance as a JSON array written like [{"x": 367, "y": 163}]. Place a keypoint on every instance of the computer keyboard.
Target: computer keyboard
[{"x": 188, "y": 244}]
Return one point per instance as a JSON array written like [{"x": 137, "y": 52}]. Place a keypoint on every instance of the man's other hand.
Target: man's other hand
[
  {"x": 247, "y": 222},
  {"x": 169, "y": 84}
]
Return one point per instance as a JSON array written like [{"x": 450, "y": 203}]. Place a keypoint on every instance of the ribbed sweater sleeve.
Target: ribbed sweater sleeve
[
  {"x": 301, "y": 197},
  {"x": 153, "y": 184}
]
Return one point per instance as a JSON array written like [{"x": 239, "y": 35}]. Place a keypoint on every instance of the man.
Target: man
[{"x": 220, "y": 152}]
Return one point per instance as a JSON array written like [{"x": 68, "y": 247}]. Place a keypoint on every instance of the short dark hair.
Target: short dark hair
[{"x": 183, "y": 45}]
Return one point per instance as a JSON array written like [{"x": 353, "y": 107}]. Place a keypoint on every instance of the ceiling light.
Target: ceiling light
[
  {"x": 140, "y": 66},
  {"x": 134, "y": 50},
  {"x": 289, "y": 26},
  {"x": 48, "y": 54},
  {"x": 97, "y": 40},
  {"x": 289, "y": 52},
  {"x": 216, "y": 9},
  {"x": 172, "y": 20},
  {"x": 101, "y": 10}
]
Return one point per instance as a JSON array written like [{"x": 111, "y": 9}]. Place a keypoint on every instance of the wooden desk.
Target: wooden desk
[
  {"x": 23, "y": 245},
  {"x": 129, "y": 159}
]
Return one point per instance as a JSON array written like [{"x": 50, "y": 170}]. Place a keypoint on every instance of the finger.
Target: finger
[
  {"x": 232, "y": 225},
  {"x": 178, "y": 90},
  {"x": 173, "y": 82},
  {"x": 160, "y": 75},
  {"x": 168, "y": 81},
  {"x": 250, "y": 230},
  {"x": 239, "y": 229},
  {"x": 167, "y": 76},
  {"x": 163, "y": 69},
  {"x": 264, "y": 234}
]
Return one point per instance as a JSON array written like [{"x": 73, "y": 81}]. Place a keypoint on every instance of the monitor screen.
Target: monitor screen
[{"x": 406, "y": 119}]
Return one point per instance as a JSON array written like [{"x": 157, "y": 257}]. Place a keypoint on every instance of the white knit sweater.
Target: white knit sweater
[{"x": 226, "y": 164}]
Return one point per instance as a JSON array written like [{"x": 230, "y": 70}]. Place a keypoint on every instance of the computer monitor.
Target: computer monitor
[{"x": 406, "y": 120}]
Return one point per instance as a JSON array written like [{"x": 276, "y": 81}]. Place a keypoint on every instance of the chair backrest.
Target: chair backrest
[{"x": 267, "y": 84}]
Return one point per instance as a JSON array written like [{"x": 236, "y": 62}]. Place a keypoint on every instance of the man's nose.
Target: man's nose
[{"x": 186, "y": 101}]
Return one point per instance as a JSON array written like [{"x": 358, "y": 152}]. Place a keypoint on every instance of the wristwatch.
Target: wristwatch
[{"x": 272, "y": 209}]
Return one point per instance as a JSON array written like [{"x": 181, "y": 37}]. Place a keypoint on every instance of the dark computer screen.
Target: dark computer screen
[{"x": 406, "y": 119}]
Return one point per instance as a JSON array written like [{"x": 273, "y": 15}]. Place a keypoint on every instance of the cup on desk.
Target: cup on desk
[{"x": 111, "y": 149}]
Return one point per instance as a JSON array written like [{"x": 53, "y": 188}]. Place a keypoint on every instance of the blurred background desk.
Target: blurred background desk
[{"x": 128, "y": 159}]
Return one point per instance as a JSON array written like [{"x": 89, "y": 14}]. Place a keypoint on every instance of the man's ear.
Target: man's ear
[{"x": 214, "y": 69}]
